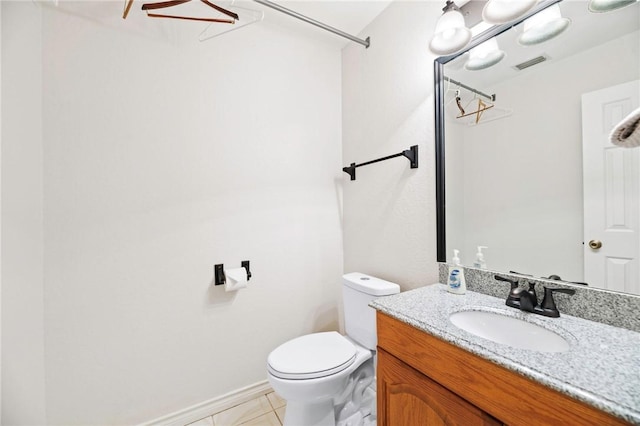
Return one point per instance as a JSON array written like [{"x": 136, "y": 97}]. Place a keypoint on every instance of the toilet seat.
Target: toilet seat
[{"x": 311, "y": 356}]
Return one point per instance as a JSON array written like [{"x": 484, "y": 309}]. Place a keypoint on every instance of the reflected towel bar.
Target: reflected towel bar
[{"x": 411, "y": 154}]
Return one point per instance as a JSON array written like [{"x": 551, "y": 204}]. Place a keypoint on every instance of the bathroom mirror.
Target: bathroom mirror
[{"x": 511, "y": 172}]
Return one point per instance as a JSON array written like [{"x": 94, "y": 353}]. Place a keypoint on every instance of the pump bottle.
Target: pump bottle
[
  {"x": 456, "y": 283},
  {"x": 480, "y": 262}
]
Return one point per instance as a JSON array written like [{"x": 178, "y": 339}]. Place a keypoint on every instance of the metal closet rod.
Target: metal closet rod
[
  {"x": 326, "y": 27},
  {"x": 471, "y": 89}
]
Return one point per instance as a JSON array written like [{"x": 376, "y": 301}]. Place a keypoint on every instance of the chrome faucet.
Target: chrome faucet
[{"x": 527, "y": 300}]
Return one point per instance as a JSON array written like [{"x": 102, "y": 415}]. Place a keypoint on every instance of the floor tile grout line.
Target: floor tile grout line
[
  {"x": 270, "y": 403},
  {"x": 273, "y": 410},
  {"x": 261, "y": 415},
  {"x": 252, "y": 418},
  {"x": 273, "y": 406}
]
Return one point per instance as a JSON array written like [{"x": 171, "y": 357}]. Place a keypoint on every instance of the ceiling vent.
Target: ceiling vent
[{"x": 531, "y": 62}]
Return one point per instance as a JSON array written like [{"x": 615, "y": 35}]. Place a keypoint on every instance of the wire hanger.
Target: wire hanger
[
  {"x": 162, "y": 5},
  {"x": 471, "y": 101},
  {"x": 247, "y": 17}
]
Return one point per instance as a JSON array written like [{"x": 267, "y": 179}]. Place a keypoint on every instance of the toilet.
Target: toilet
[{"x": 327, "y": 378}]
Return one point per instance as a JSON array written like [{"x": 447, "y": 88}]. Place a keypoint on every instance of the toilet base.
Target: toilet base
[
  {"x": 304, "y": 413},
  {"x": 355, "y": 406},
  {"x": 321, "y": 414}
]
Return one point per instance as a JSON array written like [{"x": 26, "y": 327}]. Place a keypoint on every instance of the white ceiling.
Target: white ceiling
[{"x": 350, "y": 16}]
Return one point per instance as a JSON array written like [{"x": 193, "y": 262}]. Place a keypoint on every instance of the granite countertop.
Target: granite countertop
[{"x": 602, "y": 367}]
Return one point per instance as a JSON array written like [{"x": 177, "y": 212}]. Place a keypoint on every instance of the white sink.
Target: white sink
[{"x": 509, "y": 331}]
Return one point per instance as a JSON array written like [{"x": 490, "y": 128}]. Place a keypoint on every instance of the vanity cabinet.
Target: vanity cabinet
[
  {"x": 412, "y": 398},
  {"x": 423, "y": 380}
]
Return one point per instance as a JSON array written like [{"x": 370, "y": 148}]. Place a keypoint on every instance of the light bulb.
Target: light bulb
[
  {"x": 484, "y": 55},
  {"x": 543, "y": 26},
  {"x": 451, "y": 34},
  {"x": 503, "y": 11},
  {"x": 599, "y": 6}
]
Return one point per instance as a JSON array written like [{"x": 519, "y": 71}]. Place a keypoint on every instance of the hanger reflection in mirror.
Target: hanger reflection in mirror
[
  {"x": 247, "y": 17},
  {"x": 482, "y": 107},
  {"x": 458, "y": 99},
  {"x": 163, "y": 5}
]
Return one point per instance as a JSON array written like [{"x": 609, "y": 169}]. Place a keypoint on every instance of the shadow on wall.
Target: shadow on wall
[
  {"x": 217, "y": 296},
  {"x": 325, "y": 318},
  {"x": 337, "y": 183}
]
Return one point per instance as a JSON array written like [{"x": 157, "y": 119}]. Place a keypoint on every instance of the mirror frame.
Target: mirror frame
[{"x": 439, "y": 87}]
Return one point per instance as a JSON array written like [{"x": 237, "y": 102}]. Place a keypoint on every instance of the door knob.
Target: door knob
[{"x": 595, "y": 244}]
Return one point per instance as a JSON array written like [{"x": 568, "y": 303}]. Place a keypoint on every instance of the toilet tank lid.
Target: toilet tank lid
[{"x": 370, "y": 285}]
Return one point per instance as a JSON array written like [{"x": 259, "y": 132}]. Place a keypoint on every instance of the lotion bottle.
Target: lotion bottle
[
  {"x": 456, "y": 283},
  {"x": 480, "y": 262}
]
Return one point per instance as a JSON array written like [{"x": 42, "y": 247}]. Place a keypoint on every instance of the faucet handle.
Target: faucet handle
[
  {"x": 532, "y": 290},
  {"x": 514, "y": 283},
  {"x": 548, "y": 305},
  {"x": 513, "y": 299},
  {"x": 529, "y": 298}
]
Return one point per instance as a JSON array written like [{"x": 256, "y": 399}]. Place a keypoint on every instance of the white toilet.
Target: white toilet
[{"x": 327, "y": 378}]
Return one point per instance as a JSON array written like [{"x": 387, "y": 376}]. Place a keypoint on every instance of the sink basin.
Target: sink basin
[{"x": 509, "y": 331}]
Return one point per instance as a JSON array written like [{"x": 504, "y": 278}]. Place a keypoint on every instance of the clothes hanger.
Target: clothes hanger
[
  {"x": 247, "y": 17},
  {"x": 458, "y": 99},
  {"x": 467, "y": 106},
  {"x": 162, "y": 5},
  {"x": 471, "y": 101},
  {"x": 456, "y": 94},
  {"x": 482, "y": 107},
  {"x": 127, "y": 8}
]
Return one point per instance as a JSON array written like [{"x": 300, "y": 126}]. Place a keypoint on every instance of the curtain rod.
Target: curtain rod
[
  {"x": 471, "y": 89},
  {"x": 290, "y": 12}
]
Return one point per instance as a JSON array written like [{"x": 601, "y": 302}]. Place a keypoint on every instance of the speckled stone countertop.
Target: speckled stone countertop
[{"x": 602, "y": 367}]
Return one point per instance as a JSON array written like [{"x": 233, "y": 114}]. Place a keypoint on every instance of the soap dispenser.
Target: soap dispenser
[
  {"x": 456, "y": 283},
  {"x": 480, "y": 262}
]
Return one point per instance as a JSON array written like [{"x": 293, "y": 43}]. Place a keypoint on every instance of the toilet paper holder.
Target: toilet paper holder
[{"x": 220, "y": 277}]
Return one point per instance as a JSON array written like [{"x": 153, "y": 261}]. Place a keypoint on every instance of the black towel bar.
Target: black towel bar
[{"x": 411, "y": 154}]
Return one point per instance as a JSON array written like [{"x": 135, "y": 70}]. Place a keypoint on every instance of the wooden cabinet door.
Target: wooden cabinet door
[{"x": 407, "y": 397}]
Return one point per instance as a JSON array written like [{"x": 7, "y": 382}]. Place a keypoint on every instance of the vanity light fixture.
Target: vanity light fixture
[
  {"x": 451, "y": 34},
  {"x": 484, "y": 55},
  {"x": 503, "y": 11},
  {"x": 599, "y": 6},
  {"x": 543, "y": 26}
]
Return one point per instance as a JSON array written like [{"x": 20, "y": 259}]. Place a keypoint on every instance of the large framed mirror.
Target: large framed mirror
[{"x": 523, "y": 161}]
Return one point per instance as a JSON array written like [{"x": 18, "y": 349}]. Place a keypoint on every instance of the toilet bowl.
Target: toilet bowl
[{"x": 327, "y": 378}]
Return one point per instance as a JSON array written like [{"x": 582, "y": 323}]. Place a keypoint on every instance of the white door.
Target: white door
[{"x": 611, "y": 192}]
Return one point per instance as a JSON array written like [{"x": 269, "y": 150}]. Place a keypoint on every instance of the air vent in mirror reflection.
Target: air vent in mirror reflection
[{"x": 531, "y": 62}]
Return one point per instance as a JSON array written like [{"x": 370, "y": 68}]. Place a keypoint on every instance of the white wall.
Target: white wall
[
  {"x": 23, "y": 388},
  {"x": 526, "y": 204},
  {"x": 454, "y": 194},
  {"x": 0, "y": 214},
  {"x": 389, "y": 211},
  {"x": 162, "y": 157}
]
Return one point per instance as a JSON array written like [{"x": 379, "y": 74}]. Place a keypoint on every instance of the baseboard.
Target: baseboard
[{"x": 199, "y": 411}]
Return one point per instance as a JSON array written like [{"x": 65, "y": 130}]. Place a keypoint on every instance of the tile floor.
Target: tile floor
[{"x": 266, "y": 410}]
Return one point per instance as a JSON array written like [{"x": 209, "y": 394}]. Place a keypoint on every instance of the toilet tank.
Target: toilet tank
[{"x": 359, "y": 319}]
